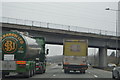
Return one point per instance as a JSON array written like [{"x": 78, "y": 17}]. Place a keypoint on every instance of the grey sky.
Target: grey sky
[{"x": 84, "y": 14}]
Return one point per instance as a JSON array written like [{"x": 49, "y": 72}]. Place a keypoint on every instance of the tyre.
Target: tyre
[
  {"x": 44, "y": 71},
  {"x": 31, "y": 73},
  {"x": 66, "y": 71},
  {"x": 113, "y": 76},
  {"x": 26, "y": 74},
  {"x": 40, "y": 71},
  {"x": 118, "y": 76},
  {"x": 3, "y": 76},
  {"x": 82, "y": 71},
  {"x": 34, "y": 71}
]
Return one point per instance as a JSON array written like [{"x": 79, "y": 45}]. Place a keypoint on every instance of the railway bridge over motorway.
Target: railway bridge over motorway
[{"x": 56, "y": 33}]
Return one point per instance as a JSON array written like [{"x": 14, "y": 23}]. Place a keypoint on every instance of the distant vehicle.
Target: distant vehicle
[
  {"x": 116, "y": 73},
  {"x": 75, "y": 55},
  {"x": 23, "y": 54},
  {"x": 111, "y": 65},
  {"x": 59, "y": 64}
]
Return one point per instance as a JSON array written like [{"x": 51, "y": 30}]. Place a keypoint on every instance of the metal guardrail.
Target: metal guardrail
[{"x": 57, "y": 26}]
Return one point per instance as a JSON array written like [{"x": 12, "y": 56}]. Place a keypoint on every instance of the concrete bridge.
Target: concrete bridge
[{"x": 56, "y": 36}]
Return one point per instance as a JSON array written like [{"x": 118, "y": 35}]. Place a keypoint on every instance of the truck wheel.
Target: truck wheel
[
  {"x": 83, "y": 71},
  {"x": 44, "y": 71},
  {"x": 34, "y": 71},
  {"x": 80, "y": 72},
  {"x": 27, "y": 74},
  {"x": 118, "y": 76},
  {"x": 31, "y": 73},
  {"x": 3, "y": 76},
  {"x": 66, "y": 71},
  {"x": 40, "y": 71},
  {"x": 113, "y": 76}
]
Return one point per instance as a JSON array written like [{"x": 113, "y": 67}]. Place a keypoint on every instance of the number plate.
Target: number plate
[{"x": 8, "y": 56}]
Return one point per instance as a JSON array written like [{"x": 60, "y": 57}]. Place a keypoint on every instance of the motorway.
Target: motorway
[{"x": 55, "y": 71}]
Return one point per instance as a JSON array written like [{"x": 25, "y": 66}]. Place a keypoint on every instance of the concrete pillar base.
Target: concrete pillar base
[{"x": 102, "y": 57}]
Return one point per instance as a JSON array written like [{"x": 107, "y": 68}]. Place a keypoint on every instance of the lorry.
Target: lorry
[
  {"x": 23, "y": 54},
  {"x": 75, "y": 55}
]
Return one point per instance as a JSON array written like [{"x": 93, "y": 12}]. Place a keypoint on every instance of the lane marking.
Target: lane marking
[
  {"x": 54, "y": 75},
  {"x": 95, "y": 76},
  {"x": 88, "y": 72}
]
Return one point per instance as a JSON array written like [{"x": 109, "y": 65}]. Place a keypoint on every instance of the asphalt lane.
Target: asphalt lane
[{"x": 55, "y": 71}]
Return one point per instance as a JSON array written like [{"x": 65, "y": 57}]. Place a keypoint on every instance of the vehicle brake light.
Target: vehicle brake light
[
  {"x": 20, "y": 62},
  {"x": 38, "y": 66}
]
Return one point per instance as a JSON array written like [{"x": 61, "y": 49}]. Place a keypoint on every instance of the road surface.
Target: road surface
[{"x": 55, "y": 71}]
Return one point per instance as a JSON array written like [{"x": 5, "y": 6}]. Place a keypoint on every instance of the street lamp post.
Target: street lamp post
[{"x": 116, "y": 31}]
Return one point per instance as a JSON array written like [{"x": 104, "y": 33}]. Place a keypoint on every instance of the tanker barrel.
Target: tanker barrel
[{"x": 19, "y": 46}]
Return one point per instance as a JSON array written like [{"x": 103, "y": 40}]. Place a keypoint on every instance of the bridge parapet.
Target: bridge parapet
[{"x": 57, "y": 26}]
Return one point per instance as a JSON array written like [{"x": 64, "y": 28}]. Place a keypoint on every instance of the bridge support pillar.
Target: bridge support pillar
[
  {"x": 102, "y": 57},
  {"x": 118, "y": 56}
]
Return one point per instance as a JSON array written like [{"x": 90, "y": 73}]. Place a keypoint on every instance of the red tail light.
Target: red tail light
[
  {"x": 20, "y": 62},
  {"x": 38, "y": 66}
]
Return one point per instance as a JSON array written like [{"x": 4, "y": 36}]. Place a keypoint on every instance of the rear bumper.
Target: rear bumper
[{"x": 75, "y": 67}]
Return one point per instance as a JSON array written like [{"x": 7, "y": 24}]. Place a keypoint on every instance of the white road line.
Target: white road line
[
  {"x": 62, "y": 70},
  {"x": 95, "y": 76},
  {"x": 54, "y": 75},
  {"x": 88, "y": 72}
]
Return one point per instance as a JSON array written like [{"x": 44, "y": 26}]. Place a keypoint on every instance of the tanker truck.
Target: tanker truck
[
  {"x": 75, "y": 55},
  {"x": 23, "y": 54}
]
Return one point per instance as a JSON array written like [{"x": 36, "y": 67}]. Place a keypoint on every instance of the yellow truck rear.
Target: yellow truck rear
[{"x": 75, "y": 55}]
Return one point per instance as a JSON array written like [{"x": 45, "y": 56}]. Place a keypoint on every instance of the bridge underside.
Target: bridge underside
[{"x": 58, "y": 38}]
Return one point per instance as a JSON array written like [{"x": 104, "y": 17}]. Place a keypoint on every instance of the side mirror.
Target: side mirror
[{"x": 47, "y": 51}]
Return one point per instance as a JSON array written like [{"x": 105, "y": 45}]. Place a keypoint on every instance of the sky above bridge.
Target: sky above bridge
[{"x": 85, "y": 14}]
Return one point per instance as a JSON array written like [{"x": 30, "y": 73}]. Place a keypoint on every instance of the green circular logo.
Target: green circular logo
[{"x": 9, "y": 45}]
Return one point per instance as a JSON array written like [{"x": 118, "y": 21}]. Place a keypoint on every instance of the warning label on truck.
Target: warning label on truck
[{"x": 75, "y": 48}]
